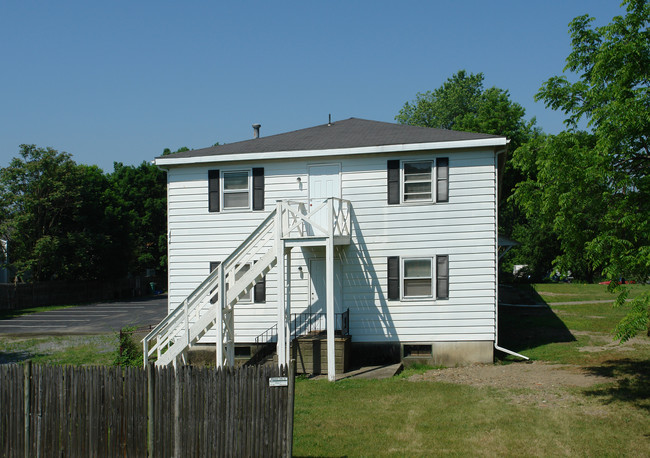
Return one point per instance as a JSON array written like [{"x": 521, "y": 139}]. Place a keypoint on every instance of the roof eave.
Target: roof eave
[{"x": 456, "y": 144}]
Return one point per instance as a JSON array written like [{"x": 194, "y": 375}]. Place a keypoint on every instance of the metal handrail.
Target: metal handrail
[
  {"x": 268, "y": 335},
  {"x": 341, "y": 320},
  {"x": 306, "y": 321}
]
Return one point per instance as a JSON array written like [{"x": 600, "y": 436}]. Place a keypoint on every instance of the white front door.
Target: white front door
[
  {"x": 318, "y": 288},
  {"x": 324, "y": 182}
]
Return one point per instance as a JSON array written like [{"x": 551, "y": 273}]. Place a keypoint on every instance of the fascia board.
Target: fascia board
[{"x": 301, "y": 154}]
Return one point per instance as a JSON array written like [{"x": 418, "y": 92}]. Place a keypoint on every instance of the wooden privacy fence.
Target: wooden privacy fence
[{"x": 109, "y": 411}]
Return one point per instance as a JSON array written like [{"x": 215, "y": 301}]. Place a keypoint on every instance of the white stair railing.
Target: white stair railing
[
  {"x": 237, "y": 274},
  {"x": 196, "y": 315}
]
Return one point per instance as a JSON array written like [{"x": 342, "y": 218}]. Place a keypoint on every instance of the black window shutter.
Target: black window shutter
[
  {"x": 214, "y": 265},
  {"x": 258, "y": 188},
  {"x": 442, "y": 277},
  {"x": 393, "y": 277},
  {"x": 259, "y": 291},
  {"x": 213, "y": 190},
  {"x": 393, "y": 182},
  {"x": 443, "y": 180}
]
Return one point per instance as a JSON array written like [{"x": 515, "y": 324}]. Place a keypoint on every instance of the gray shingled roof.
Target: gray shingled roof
[{"x": 350, "y": 133}]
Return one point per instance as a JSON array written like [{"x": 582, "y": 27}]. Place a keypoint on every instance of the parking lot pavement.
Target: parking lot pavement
[{"x": 90, "y": 319}]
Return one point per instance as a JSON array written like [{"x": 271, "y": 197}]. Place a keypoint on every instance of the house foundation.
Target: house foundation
[
  {"x": 448, "y": 354},
  {"x": 310, "y": 353}
]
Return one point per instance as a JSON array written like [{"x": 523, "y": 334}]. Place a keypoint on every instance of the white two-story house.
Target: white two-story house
[{"x": 388, "y": 231}]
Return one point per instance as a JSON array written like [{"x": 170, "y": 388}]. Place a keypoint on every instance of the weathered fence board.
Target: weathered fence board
[{"x": 103, "y": 411}]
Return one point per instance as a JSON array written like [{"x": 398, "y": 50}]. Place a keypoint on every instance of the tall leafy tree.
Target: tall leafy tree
[
  {"x": 138, "y": 199},
  {"x": 562, "y": 197},
  {"x": 612, "y": 94},
  {"x": 462, "y": 103},
  {"x": 52, "y": 216}
]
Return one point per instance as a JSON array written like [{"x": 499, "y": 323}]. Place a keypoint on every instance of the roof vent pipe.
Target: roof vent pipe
[{"x": 256, "y": 130}]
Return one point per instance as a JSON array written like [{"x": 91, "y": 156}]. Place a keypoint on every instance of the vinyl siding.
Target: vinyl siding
[{"x": 463, "y": 228}]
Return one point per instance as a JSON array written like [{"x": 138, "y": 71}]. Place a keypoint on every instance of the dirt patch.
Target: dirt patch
[
  {"x": 607, "y": 344},
  {"x": 528, "y": 383},
  {"x": 535, "y": 375}
]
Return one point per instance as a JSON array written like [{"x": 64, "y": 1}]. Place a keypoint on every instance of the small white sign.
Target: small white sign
[{"x": 278, "y": 381}]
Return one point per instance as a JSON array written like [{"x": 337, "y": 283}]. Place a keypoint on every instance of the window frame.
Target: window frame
[
  {"x": 402, "y": 188},
  {"x": 435, "y": 278},
  {"x": 399, "y": 179},
  {"x": 403, "y": 278},
  {"x": 249, "y": 190}
]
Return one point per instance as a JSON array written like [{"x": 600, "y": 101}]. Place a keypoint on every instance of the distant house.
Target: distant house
[{"x": 395, "y": 224}]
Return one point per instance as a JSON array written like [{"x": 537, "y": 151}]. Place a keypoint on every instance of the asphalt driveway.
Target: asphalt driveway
[{"x": 90, "y": 319}]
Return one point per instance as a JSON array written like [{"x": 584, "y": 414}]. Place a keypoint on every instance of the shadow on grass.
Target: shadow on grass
[
  {"x": 523, "y": 328},
  {"x": 521, "y": 293},
  {"x": 12, "y": 357},
  {"x": 632, "y": 384}
]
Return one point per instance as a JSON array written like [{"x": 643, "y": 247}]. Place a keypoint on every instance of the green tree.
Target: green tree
[
  {"x": 462, "y": 103},
  {"x": 611, "y": 93},
  {"x": 562, "y": 198},
  {"x": 138, "y": 200},
  {"x": 52, "y": 216}
]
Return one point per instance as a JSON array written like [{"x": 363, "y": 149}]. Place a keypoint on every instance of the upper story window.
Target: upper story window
[
  {"x": 236, "y": 190},
  {"x": 418, "y": 181}
]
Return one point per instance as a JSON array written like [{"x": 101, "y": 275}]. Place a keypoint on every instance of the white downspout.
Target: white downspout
[{"x": 496, "y": 257}]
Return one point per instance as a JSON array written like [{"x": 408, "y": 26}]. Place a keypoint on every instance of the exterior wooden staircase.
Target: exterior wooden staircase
[{"x": 208, "y": 307}]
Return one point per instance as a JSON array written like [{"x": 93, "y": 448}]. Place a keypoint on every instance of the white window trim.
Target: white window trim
[
  {"x": 222, "y": 191},
  {"x": 434, "y": 181},
  {"x": 432, "y": 262}
]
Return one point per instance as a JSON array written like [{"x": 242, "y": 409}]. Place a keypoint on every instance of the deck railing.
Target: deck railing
[
  {"x": 305, "y": 323},
  {"x": 315, "y": 218}
]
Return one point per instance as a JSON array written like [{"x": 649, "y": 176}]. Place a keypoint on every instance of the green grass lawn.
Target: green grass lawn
[
  {"x": 403, "y": 418},
  {"x": 569, "y": 292},
  {"x": 76, "y": 350}
]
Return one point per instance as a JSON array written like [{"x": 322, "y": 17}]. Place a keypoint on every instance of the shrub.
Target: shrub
[{"x": 129, "y": 352}]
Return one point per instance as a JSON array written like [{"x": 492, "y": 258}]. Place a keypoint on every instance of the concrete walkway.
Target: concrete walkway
[
  {"x": 90, "y": 319},
  {"x": 368, "y": 372}
]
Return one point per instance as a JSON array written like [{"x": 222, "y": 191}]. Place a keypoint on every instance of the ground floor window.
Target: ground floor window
[{"x": 418, "y": 277}]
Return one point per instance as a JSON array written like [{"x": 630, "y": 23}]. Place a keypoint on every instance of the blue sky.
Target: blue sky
[{"x": 122, "y": 80}]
